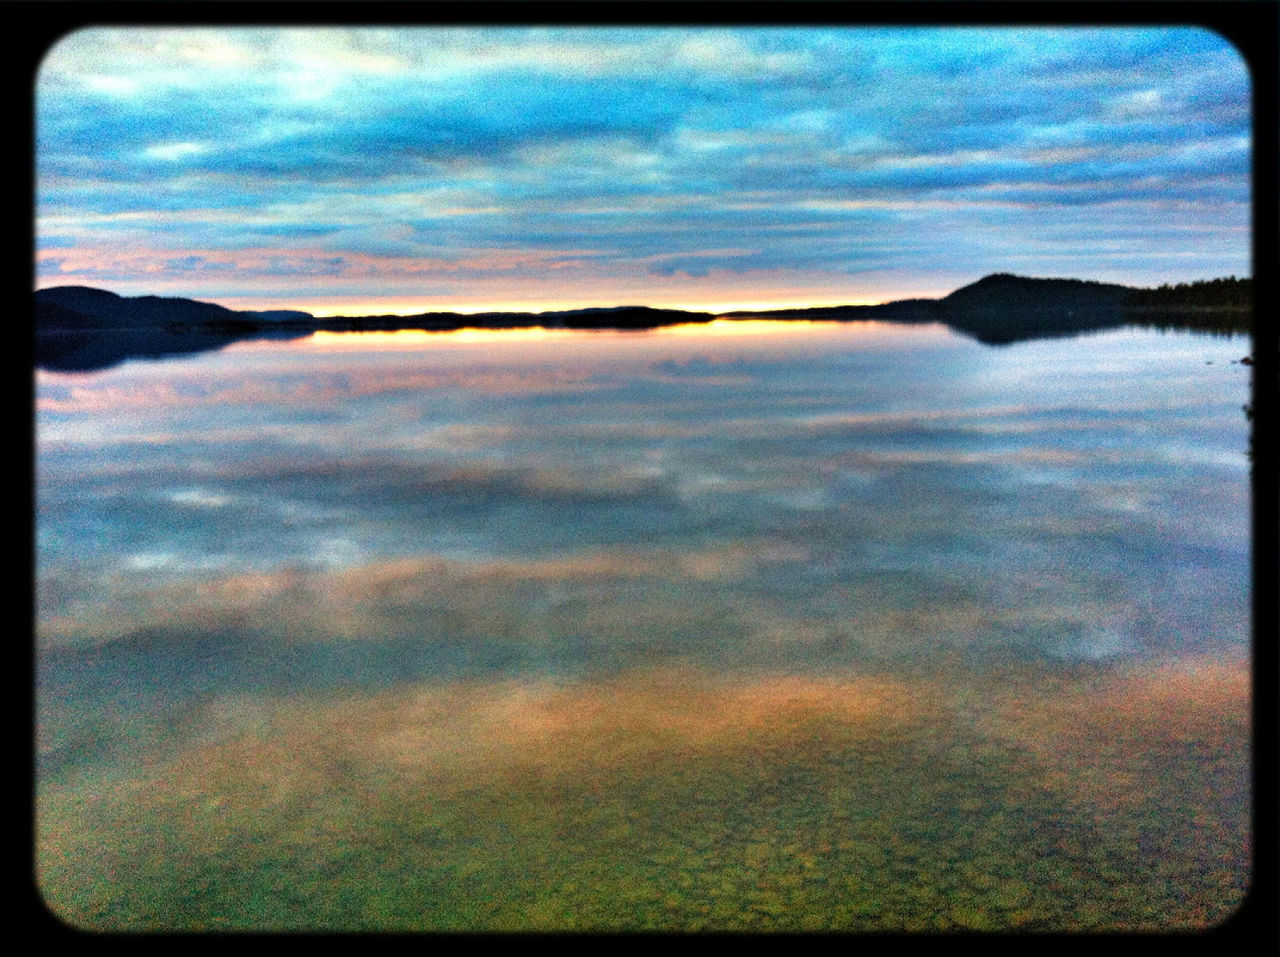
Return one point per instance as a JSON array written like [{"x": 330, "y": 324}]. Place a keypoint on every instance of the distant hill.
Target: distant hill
[
  {"x": 278, "y": 315},
  {"x": 1003, "y": 308},
  {"x": 625, "y": 317},
  {"x": 99, "y": 308},
  {"x": 78, "y": 301},
  {"x": 901, "y": 310},
  {"x": 614, "y": 317},
  {"x": 79, "y": 327},
  {"x": 1210, "y": 294},
  {"x": 1002, "y": 292},
  {"x": 1213, "y": 305}
]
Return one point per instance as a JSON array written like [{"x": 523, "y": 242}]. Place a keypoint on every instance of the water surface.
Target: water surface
[{"x": 850, "y": 626}]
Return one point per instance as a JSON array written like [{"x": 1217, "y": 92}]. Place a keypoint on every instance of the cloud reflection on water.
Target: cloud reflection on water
[
  {"x": 910, "y": 597},
  {"x": 1060, "y": 801}
]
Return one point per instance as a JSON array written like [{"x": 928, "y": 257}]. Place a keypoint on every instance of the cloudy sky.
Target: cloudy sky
[{"x": 389, "y": 170}]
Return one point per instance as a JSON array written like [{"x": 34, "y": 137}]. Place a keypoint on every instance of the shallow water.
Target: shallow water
[{"x": 770, "y": 625}]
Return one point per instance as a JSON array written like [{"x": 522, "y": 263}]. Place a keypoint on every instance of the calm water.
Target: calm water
[{"x": 851, "y": 626}]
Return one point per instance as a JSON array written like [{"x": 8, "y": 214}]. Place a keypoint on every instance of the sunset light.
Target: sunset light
[
  {"x": 357, "y": 172},
  {"x": 694, "y": 479}
]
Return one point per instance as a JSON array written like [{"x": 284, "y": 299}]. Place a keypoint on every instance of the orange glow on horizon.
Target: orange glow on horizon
[
  {"x": 328, "y": 309},
  {"x": 327, "y": 341},
  {"x": 714, "y": 302}
]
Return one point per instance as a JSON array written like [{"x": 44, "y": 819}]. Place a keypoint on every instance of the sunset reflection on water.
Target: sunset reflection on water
[{"x": 808, "y": 626}]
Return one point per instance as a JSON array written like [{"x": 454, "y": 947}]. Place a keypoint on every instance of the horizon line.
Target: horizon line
[{"x": 719, "y": 308}]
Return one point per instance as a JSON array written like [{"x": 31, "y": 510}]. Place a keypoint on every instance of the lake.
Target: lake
[{"x": 741, "y": 626}]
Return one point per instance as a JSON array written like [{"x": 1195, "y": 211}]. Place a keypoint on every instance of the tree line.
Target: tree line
[{"x": 1228, "y": 293}]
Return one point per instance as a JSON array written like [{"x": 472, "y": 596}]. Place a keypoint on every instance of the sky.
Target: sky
[{"x": 360, "y": 171}]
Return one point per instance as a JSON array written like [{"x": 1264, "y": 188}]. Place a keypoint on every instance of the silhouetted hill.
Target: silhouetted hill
[
  {"x": 901, "y": 310},
  {"x": 624, "y": 317},
  {"x": 278, "y": 315},
  {"x": 1003, "y": 292},
  {"x": 996, "y": 310},
  {"x": 51, "y": 315},
  {"x": 82, "y": 301},
  {"x": 615, "y": 317},
  {"x": 1004, "y": 308},
  {"x": 1216, "y": 294},
  {"x": 101, "y": 308},
  {"x": 82, "y": 328},
  {"x": 1213, "y": 305}
]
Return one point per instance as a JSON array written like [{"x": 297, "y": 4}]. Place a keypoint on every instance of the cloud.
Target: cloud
[{"x": 425, "y": 145}]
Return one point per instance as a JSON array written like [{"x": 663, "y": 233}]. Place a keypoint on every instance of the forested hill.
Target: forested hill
[
  {"x": 1004, "y": 292},
  {"x": 1218, "y": 294},
  {"x": 84, "y": 307},
  {"x": 1004, "y": 308}
]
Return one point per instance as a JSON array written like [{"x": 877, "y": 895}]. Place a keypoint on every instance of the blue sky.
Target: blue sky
[{"x": 403, "y": 170}]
